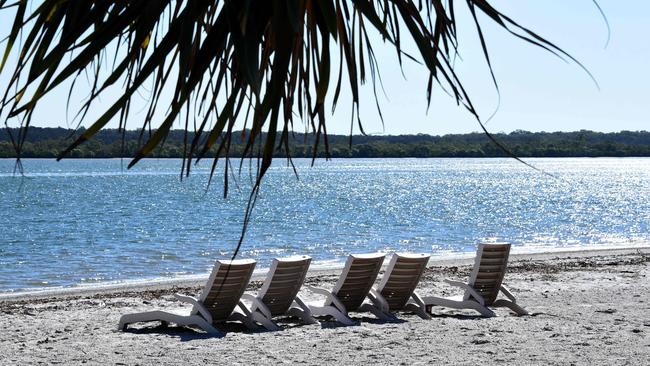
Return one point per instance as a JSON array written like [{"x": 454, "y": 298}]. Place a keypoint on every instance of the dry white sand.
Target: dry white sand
[{"x": 587, "y": 308}]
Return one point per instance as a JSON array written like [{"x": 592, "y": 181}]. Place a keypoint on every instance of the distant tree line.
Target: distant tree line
[{"x": 48, "y": 142}]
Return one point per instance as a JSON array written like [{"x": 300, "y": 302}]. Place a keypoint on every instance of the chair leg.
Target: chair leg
[
  {"x": 511, "y": 305},
  {"x": 123, "y": 324},
  {"x": 147, "y": 316},
  {"x": 341, "y": 317},
  {"x": 456, "y": 304},
  {"x": 431, "y": 301},
  {"x": 478, "y": 307},
  {"x": 305, "y": 315},
  {"x": 264, "y": 321},
  {"x": 195, "y": 320},
  {"x": 418, "y": 310},
  {"x": 335, "y": 313},
  {"x": 207, "y": 327},
  {"x": 247, "y": 321},
  {"x": 385, "y": 316}
]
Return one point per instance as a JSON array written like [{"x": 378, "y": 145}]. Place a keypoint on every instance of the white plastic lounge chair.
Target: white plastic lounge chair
[
  {"x": 349, "y": 292},
  {"x": 216, "y": 303},
  {"x": 278, "y": 295},
  {"x": 396, "y": 290},
  {"x": 484, "y": 285}
]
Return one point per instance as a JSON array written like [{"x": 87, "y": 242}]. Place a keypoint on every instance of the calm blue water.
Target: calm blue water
[{"x": 87, "y": 221}]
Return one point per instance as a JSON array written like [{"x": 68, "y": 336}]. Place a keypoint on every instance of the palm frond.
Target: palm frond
[
  {"x": 271, "y": 58},
  {"x": 261, "y": 63}
]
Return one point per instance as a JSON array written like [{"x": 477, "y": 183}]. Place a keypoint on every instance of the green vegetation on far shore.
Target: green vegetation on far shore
[{"x": 48, "y": 142}]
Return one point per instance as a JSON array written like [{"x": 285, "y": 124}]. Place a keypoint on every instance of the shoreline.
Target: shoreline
[{"x": 441, "y": 261}]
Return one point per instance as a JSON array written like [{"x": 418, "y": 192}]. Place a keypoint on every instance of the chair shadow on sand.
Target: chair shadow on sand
[
  {"x": 183, "y": 333},
  {"x": 187, "y": 333},
  {"x": 458, "y": 316},
  {"x": 441, "y": 313},
  {"x": 332, "y": 323}
]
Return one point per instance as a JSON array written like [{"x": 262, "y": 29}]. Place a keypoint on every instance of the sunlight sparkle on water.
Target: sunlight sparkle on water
[{"x": 89, "y": 221}]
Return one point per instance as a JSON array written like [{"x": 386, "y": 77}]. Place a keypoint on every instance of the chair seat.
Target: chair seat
[
  {"x": 278, "y": 295},
  {"x": 455, "y": 298},
  {"x": 484, "y": 285},
  {"x": 315, "y": 303},
  {"x": 179, "y": 311},
  {"x": 217, "y": 302}
]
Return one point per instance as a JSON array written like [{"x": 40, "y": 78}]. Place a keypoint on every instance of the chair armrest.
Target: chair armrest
[
  {"x": 378, "y": 299},
  {"x": 301, "y": 303},
  {"x": 248, "y": 297},
  {"x": 330, "y": 297},
  {"x": 244, "y": 308},
  {"x": 508, "y": 294},
  {"x": 257, "y": 304},
  {"x": 318, "y": 290},
  {"x": 418, "y": 299},
  {"x": 467, "y": 288},
  {"x": 198, "y": 306}
]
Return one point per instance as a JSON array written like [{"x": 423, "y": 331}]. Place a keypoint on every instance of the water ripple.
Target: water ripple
[{"x": 88, "y": 221}]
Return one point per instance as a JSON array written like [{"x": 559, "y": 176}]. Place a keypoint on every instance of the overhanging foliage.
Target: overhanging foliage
[{"x": 263, "y": 62}]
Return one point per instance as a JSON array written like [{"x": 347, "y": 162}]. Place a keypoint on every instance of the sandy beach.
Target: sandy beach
[{"x": 589, "y": 307}]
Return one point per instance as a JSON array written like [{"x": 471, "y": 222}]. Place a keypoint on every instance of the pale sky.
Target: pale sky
[{"x": 539, "y": 92}]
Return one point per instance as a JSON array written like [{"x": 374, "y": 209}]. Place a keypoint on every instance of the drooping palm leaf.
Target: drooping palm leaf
[{"x": 262, "y": 62}]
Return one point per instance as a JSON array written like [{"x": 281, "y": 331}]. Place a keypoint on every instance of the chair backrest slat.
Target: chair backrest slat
[
  {"x": 283, "y": 282},
  {"x": 358, "y": 276},
  {"x": 489, "y": 269},
  {"x": 401, "y": 278},
  {"x": 225, "y": 286}
]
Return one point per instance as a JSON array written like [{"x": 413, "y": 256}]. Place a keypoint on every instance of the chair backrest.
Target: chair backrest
[
  {"x": 283, "y": 282},
  {"x": 401, "y": 278},
  {"x": 358, "y": 276},
  {"x": 225, "y": 286},
  {"x": 489, "y": 269}
]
